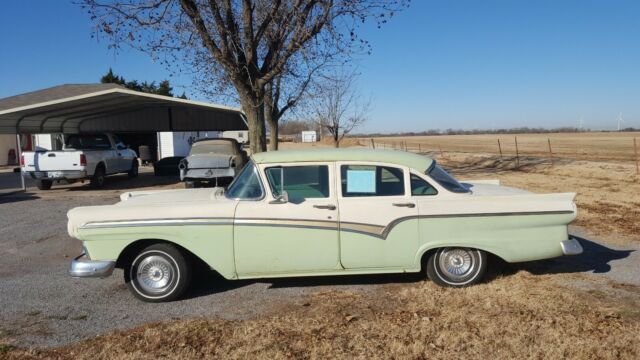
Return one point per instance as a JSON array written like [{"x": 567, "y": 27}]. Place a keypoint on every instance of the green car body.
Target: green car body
[{"x": 328, "y": 212}]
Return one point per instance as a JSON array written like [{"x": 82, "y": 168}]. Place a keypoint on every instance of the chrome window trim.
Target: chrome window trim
[{"x": 262, "y": 189}]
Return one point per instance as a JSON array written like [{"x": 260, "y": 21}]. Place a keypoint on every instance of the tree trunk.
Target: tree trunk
[
  {"x": 255, "y": 120},
  {"x": 270, "y": 118},
  {"x": 272, "y": 122},
  {"x": 336, "y": 139}
]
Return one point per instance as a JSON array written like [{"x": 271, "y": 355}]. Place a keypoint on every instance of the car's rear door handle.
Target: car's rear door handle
[
  {"x": 326, "y": 207},
  {"x": 407, "y": 204}
]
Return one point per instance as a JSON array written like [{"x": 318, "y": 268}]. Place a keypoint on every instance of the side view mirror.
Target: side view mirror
[{"x": 282, "y": 199}]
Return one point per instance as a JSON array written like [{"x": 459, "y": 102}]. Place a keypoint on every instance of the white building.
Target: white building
[{"x": 309, "y": 136}]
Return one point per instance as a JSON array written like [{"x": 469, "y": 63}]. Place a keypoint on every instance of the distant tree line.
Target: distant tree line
[
  {"x": 517, "y": 130},
  {"x": 162, "y": 88}
]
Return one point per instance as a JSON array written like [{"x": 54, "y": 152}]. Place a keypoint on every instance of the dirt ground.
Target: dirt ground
[{"x": 570, "y": 307}]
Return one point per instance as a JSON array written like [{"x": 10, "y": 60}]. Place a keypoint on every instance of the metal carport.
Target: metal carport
[{"x": 87, "y": 108}]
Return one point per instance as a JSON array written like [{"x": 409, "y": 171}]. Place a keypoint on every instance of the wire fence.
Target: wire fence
[{"x": 596, "y": 147}]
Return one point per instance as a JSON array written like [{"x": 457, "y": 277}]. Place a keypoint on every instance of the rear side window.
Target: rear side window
[
  {"x": 300, "y": 182},
  {"x": 370, "y": 180},
  {"x": 419, "y": 187},
  {"x": 88, "y": 142}
]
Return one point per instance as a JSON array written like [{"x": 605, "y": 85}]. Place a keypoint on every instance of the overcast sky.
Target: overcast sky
[{"x": 439, "y": 64}]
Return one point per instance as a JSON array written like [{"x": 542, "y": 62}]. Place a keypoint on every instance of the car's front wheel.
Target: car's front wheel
[
  {"x": 456, "y": 266},
  {"x": 159, "y": 273}
]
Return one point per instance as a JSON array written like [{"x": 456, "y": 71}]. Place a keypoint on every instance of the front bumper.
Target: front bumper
[
  {"x": 57, "y": 175},
  {"x": 81, "y": 266},
  {"x": 571, "y": 247}
]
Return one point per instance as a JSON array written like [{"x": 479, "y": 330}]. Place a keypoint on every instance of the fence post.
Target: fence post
[
  {"x": 550, "y": 152},
  {"x": 420, "y": 148},
  {"x": 373, "y": 144},
  {"x": 441, "y": 153},
  {"x": 635, "y": 150},
  {"x": 500, "y": 148},
  {"x": 517, "y": 152}
]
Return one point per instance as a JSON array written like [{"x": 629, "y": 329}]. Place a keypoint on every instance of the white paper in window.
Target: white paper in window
[{"x": 361, "y": 181}]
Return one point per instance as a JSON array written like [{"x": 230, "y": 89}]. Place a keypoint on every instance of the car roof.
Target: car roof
[
  {"x": 414, "y": 161},
  {"x": 204, "y": 140}
]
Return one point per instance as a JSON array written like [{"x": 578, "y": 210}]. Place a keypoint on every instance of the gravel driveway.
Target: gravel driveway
[{"x": 42, "y": 306}]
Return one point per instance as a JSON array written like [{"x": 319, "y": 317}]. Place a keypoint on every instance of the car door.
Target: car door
[
  {"x": 297, "y": 236},
  {"x": 122, "y": 155},
  {"x": 378, "y": 218}
]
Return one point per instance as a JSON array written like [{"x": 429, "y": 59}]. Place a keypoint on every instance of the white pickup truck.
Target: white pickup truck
[{"x": 83, "y": 156}]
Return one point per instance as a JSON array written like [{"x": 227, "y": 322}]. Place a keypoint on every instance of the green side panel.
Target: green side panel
[
  {"x": 277, "y": 249},
  {"x": 211, "y": 243},
  {"x": 513, "y": 238},
  {"x": 398, "y": 249}
]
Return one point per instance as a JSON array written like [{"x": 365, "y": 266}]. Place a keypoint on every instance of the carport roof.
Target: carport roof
[{"x": 84, "y": 108}]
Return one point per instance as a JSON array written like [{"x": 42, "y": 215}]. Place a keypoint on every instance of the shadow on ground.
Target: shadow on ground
[
  {"x": 595, "y": 258},
  {"x": 17, "y": 197}
]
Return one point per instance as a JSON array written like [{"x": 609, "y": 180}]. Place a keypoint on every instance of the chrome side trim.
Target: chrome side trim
[
  {"x": 157, "y": 222},
  {"x": 379, "y": 231},
  {"x": 90, "y": 268},
  {"x": 571, "y": 247}
]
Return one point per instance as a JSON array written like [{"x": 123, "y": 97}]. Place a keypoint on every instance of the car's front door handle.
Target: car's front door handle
[
  {"x": 326, "y": 207},
  {"x": 407, "y": 204}
]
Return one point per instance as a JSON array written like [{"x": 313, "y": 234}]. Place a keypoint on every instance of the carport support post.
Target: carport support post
[{"x": 19, "y": 143}]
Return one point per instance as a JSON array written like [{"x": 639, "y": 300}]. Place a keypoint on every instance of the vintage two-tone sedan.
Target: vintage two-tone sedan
[{"x": 321, "y": 212}]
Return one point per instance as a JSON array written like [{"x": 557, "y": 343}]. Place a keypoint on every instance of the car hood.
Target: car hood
[
  {"x": 154, "y": 205},
  {"x": 209, "y": 161}
]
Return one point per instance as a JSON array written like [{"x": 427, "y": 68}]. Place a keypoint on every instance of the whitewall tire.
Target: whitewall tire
[
  {"x": 158, "y": 273},
  {"x": 456, "y": 266}
]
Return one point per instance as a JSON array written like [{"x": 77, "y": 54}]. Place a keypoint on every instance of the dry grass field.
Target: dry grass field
[
  {"x": 587, "y": 145},
  {"x": 523, "y": 312}
]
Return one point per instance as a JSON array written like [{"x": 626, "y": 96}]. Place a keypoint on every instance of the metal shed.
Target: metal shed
[{"x": 90, "y": 108}]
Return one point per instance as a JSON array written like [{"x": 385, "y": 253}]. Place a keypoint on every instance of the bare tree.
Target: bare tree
[
  {"x": 245, "y": 44},
  {"x": 340, "y": 108}
]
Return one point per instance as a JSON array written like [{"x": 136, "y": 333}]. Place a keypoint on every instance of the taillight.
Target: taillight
[
  {"x": 83, "y": 160},
  {"x": 21, "y": 160}
]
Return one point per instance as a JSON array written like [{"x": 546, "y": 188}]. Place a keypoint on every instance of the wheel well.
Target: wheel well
[
  {"x": 427, "y": 254},
  {"x": 102, "y": 165},
  {"x": 130, "y": 251}
]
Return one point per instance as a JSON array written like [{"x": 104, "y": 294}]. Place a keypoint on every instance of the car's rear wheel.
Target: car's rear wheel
[
  {"x": 456, "y": 266},
  {"x": 97, "y": 180},
  {"x": 44, "y": 184},
  {"x": 159, "y": 273}
]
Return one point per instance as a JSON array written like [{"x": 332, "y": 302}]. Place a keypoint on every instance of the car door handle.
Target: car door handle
[
  {"x": 407, "y": 204},
  {"x": 326, "y": 207}
]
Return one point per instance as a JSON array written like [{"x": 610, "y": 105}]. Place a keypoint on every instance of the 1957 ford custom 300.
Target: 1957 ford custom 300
[{"x": 321, "y": 212}]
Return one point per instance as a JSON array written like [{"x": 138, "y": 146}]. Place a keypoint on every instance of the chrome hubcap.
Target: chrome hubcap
[
  {"x": 155, "y": 274},
  {"x": 456, "y": 263}
]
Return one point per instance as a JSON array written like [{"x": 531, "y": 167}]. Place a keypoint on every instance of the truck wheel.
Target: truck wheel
[
  {"x": 456, "y": 266},
  {"x": 97, "y": 180},
  {"x": 159, "y": 273},
  {"x": 44, "y": 184},
  {"x": 134, "y": 169}
]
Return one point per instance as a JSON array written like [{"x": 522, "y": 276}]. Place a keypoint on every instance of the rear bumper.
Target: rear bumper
[
  {"x": 206, "y": 174},
  {"x": 56, "y": 175},
  {"x": 571, "y": 247},
  {"x": 81, "y": 266}
]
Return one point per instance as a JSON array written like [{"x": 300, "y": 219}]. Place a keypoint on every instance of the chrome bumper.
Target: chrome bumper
[
  {"x": 91, "y": 268},
  {"x": 571, "y": 247}
]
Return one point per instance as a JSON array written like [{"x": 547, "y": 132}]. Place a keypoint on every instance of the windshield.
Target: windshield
[
  {"x": 219, "y": 147},
  {"x": 246, "y": 185},
  {"x": 445, "y": 180}
]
